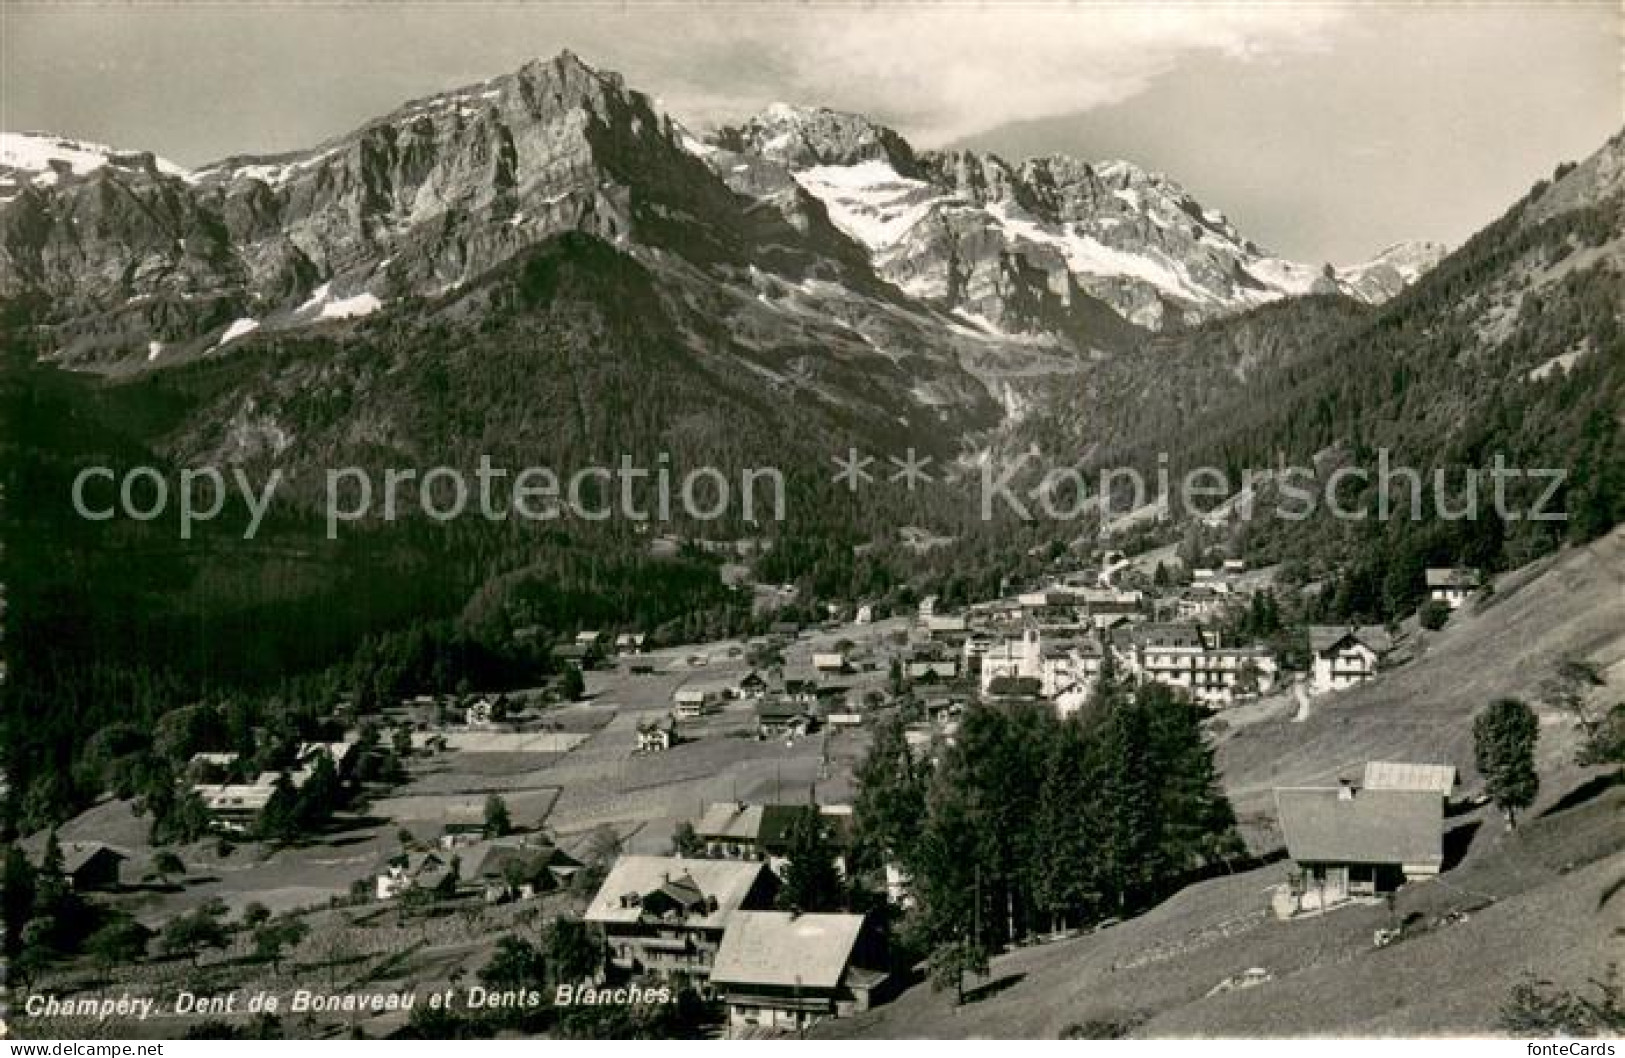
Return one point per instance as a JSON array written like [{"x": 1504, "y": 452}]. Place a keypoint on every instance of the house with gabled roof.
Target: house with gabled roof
[
  {"x": 833, "y": 661},
  {"x": 234, "y": 807},
  {"x": 664, "y": 916},
  {"x": 90, "y": 865},
  {"x": 414, "y": 870},
  {"x": 783, "y": 718},
  {"x": 693, "y": 700},
  {"x": 657, "y": 735},
  {"x": 781, "y": 971},
  {"x": 1452, "y": 586},
  {"x": 1350, "y": 843},
  {"x": 1345, "y": 656},
  {"x": 518, "y": 869},
  {"x": 737, "y": 830}
]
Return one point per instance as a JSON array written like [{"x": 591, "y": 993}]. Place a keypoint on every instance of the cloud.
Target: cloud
[{"x": 944, "y": 73}]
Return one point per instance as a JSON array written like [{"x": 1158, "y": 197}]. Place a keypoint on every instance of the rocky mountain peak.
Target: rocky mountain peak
[
  {"x": 444, "y": 188},
  {"x": 801, "y": 137}
]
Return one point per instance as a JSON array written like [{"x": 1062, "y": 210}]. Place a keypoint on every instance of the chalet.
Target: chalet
[
  {"x": 1234, "y": 567},
  {"x": 1200, "y": 604},
  {"x": 1452, "y": 586},
  {"x": 928, "y": 606},
  {"x": 732, "y": 830},
  {"x": 781, "y": 718},
  {"x": 342, "y": 754},
  {"x": 829, "y": 661},
  {"x": 752, "y": 685},
  {"x": 479, "y": 712},
  {"x": 946, "y": 626},
  {"x": 1107, "y": 607},
  {"x": 235, "y": 806},
  {"x": 1394, "y": 775},
  {"x": 576, "y": 654},
  {"x": 783, "y": 971},
  {"x": 664, "y": 916},
  {"x": 739, "y": 831},
  {"x": 657, "y": 736},
  {"x": 630, "y": 643},
  {"x": 1350, "y": 843},
  {"x": 90, "y": 865},
  {"x": 589, "y": 640},
  {"x": 415, "y": 870},
  {"x": 1344, "y": 656},
  {"x": 867, "y": 612},
  {"x": 799, "y": 684},
  {"x": 509, "y": 869},
  {"x": 693, "y": 700}
]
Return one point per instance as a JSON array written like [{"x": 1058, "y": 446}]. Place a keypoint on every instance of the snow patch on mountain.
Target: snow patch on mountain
[
  {"x": 238, "y": 329},
  {"x": 869, "y": 201},
  {"x": 43, "y": 160}
]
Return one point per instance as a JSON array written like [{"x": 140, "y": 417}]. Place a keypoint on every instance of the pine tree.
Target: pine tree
[
  {"x": 812, "y": 882},
  {"x": 497, "y": 822},
  {"x": 1504, "y": 737}
]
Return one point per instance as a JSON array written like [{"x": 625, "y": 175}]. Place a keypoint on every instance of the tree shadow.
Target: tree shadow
[
  {"x": 1454, "y": 808},
  {"x": 1457, "y": 841},
  {"x": 993, "y": 987},
  {"x": 1592, "y": 788}
]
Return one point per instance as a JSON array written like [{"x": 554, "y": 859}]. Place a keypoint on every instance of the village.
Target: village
[{"x": 664, "y": 807}]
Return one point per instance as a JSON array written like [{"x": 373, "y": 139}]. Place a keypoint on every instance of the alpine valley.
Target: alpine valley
[{"x": 546, "y": 269}]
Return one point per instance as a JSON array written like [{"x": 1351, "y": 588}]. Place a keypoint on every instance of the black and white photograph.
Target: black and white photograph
[{"x": 822, "y": 521}]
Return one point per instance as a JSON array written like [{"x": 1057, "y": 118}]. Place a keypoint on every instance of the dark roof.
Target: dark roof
[
  {"x": 768, "y": 826},
  {"x": 75, "y": 855},
  {"x": 1321, "y": 825},
  {"x": 1459, "y": 577},
  {"x": 1015, "y": 686},
  {"x": 1166, "y": 635},
  {"x": 779, "y": 710},
  {"x": 1326, "y": 637},
  {"x": 496, "y": 858}
]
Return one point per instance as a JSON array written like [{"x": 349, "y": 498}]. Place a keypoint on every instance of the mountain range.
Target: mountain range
[
  {"x": 939, "y": 293},
  {"x": 546, "y": 264}
]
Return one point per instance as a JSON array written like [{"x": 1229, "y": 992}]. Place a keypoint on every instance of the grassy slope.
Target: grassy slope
[
  {"x": 1539, "y": 902},
  {"x": 1567, "y": 603}
]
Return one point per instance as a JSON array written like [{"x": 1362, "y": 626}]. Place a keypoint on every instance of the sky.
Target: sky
[{"x": 1325, "y": 130}]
